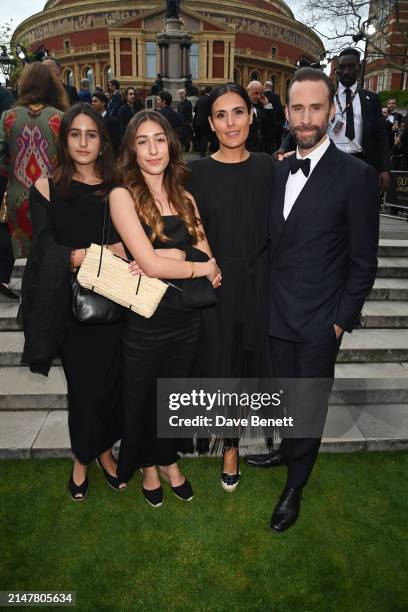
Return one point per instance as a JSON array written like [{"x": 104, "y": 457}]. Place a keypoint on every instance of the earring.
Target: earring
[{"x": 100, "y": 153}]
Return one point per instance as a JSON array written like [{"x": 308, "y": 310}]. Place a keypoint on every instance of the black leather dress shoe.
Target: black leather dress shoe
[
  {"x": 266, "y": 460},
  {"x": 8, "y": 293},
  {"x": 286, "y": 512}
]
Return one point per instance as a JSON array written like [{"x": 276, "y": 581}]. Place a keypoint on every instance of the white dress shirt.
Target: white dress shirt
[
  {"x": 340, "y": 139},
  {"x": 297, "y": 181}
]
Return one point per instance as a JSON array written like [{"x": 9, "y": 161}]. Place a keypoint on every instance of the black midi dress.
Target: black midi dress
[
  {"x": 234, "y": 201},
  {"x": 163, "y": 346},
  {"x": 90, "y": 354}
]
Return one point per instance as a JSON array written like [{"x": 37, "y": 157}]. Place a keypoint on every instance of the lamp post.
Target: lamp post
[{"x": 366, "y": 32}]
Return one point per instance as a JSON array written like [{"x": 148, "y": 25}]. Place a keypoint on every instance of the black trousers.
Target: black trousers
[
  {"x": 6, "y": 254},
  {"x": 305, "y": 360}
]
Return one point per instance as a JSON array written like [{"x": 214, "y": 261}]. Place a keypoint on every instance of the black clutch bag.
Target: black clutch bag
[
  {"x": 197, "y": 292},
  {"x": 91, "y": 308}
]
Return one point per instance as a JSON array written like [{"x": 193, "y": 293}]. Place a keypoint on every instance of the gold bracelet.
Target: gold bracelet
[{"x": 193, "y": 268}]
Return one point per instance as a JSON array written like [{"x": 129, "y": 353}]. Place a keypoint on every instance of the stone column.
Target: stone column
[
  {"x": 134, "y": 57},
  {"x": 117, "y": 57},
  {"x": 210, "y": 59}
]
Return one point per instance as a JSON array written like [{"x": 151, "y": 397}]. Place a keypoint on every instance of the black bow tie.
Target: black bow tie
[{"x": 296, "y": 164}]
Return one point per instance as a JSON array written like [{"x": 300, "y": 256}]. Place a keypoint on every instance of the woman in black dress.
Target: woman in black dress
[
  {"x": 232, "y": 189},
  {"x": 154, "y": 211},
  {"x": 67, "y": 214}
]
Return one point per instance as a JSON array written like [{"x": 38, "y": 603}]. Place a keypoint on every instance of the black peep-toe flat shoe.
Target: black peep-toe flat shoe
[
  {"x": 113, "y": 481},
  {"x": 78, "y": 492}
]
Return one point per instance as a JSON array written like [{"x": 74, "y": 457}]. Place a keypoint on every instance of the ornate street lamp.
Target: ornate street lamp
[
  {"x": 366, "y": 32},
  {"x": 7, "y": 62}
]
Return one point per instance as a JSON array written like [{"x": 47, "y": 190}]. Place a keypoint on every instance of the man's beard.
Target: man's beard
[{"x": 308, "y": 142}]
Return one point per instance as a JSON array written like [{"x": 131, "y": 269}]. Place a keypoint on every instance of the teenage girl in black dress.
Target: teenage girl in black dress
[
  {"x": 232, "y": 189},
  {"x": 154, "y": 211},
  {"x": 67, "y": 214}
]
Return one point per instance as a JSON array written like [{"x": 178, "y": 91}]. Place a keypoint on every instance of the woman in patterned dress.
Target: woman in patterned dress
[{"x": 28, "y": 134}]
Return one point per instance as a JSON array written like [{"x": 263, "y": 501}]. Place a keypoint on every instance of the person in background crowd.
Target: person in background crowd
[
  {"x": 99, "y": 103},
  {"x": 127, "y": 110},
  {"x": 262, "y": 128},
  {"x": 201, "y": 126},
  {"x": 6, "y": 251},
  {"x": 233, "y": 190},
  {"x": 185, "y": 110},
  {"x": 71, "y": 91},
  {"x": 68, "y": 215},
  {"x": 28, "y": 136},
  {"x": 390, "y": 124},
  {"x": 115, "y": 101},
  {"x": 396, "y": 116},
  {"x": 273, "y": 135},
  {"x": 152, "y": 211},
  {"x": 358, "y": 127},
  {"x": 164, "y": 100},
  {"x": 99, "y": 88},
  {"x": 84, "y": 94},
  {"x": 6, "y": 99}
]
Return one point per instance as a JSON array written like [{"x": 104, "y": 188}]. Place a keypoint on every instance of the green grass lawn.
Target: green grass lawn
[{"x": 348, "y": 552}]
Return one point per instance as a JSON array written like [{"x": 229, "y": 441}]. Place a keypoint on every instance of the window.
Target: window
[
  {"x": 380, "y": 82},
  {"x": 67, "y": 45},
  {"x": 107, "y": 76},
  {"x": 151, "y": 60},
  {"x": 255, "y": 76},
  {"x": 69, "y": 77},
  {"x": 237, "y": 76},
  {"x": 274, "y": 51},
  {"x": 90, "y": 76},
  {"x": 194, "y": 61}
]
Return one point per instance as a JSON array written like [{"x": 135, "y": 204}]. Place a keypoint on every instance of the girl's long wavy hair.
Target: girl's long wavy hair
[
  {"x": 175, "y": 179},
  {"x": 65, "y": 167}
]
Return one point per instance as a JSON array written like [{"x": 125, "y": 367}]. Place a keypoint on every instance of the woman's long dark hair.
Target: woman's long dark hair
[
  {"x": 39, "y": 85},
  {"x": 175, "y": 179},
  {"x": 228, "y": 88},
  {"x": 65, "y": 168}
]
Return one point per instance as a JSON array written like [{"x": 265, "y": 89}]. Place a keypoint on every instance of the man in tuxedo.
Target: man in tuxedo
[
  {"x": 324, "y": 237},
  {"x": 185, "y": 110},
  {"x": 358, "y": 127},
  {"x": 164, "y": 101},
  {"x": 99, "y": 103},
  {"x": 396, "y": 116},
  {"x": 262, "y": 125},
  {"x": 273, "y": 136},
  {"x": 115, "y": 101},
  {"x": 200, "y": 122}
]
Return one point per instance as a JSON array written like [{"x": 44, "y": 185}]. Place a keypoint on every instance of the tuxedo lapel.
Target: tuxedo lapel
[
  {"x": 281, "y": 173},
  {"x": 311, "y": 195}
]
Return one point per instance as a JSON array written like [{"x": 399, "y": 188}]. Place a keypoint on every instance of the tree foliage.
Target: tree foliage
[{"x": 337, "y": 21}]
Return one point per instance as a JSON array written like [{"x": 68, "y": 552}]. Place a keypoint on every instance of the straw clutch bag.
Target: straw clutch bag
[{"x": 107, "y": 274}]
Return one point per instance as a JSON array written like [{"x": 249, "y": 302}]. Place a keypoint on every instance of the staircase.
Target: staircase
[{"x": 369, "y": 404}]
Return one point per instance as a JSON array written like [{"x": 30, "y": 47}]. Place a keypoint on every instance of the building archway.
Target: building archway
[
  {"x": 68, "y": 77},
  {"x": 107, "y": 76},
  {"x": 88, "y": 73},
  {"x": 255, "y": 76}
]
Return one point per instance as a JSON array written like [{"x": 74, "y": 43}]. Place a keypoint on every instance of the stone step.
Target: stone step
[
  {"x": 374, "y": 345},
  {"x": 11, "y": 348},
  {"x": 393, "y": 248},
  {"x": 373, "y": 383},
  {"x": 389, "y": 289},
  {"x": 41, "y": 434},
  {"x": 22, "y": 390},
  {"x": 375, "y": 314},
  {"x": 384, "y": 314},
  {"x": 18, "y": 268},
  {"x": 392, "y": 267}
]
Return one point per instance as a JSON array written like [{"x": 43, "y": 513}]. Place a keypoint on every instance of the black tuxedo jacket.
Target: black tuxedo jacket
[
  {"x": 324, "y": 256},
  {"x": 115, "y": 103},
  {"x": 375, "y": 138}
]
